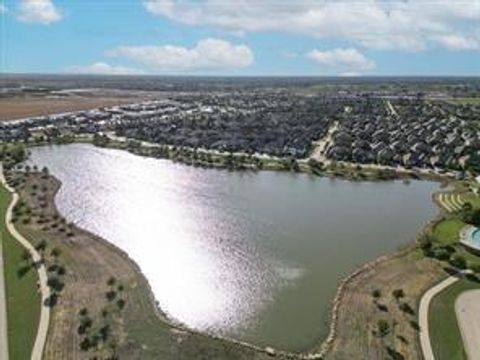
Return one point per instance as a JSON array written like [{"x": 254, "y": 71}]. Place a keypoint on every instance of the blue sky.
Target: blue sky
[{"x": 242, "y": 37}]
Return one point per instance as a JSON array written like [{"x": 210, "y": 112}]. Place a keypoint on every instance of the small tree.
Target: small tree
[
  {"x": 382, "y": 328},
  {"x": 458, "y": 261},
  {"x": 425, "y": 242},
  {"x": 398, "y": 294},
  {"x": 376, "y": 294}
]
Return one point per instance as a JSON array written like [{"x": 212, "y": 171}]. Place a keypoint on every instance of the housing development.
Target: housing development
[
  {"x": 366, "y": 127},
  {"x": 240, "y": 180}
]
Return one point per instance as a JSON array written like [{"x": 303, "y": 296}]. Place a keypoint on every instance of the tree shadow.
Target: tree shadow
[
  {"x": 23, "y": 270},
  {"x": 394, "y": 354},
  {"x": 382, "y": 307},
  {"x": 414, "y": 325}
]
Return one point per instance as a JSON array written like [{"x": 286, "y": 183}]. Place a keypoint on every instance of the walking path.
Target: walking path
[
  {"x": 42, "y": 331},
  {"x": 467, "y": 308},
  {"x": 3, "y": 311},
  {"x": 423, "y": 315}
]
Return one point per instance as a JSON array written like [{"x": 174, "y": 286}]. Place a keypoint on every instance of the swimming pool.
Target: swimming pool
[
  {"x": 476, "y": 237},
  {"x": 470, "y": 237}
]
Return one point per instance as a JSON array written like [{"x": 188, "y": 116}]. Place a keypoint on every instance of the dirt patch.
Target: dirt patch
[
  {"x": 23, "y": 106},
  {"x": 375, "y": 323}
]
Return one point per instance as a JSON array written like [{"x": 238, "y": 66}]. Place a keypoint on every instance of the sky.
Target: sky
[{"x": 241, "y": 37}]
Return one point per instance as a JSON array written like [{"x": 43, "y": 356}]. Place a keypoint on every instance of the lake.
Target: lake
[{"x": 256, "y": 256}]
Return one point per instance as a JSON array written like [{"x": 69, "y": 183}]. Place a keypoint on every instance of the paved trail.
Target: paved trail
[
  {"x": 423, "y": 315},
  {"x": 3, "y": 311},
  {"x": 467, "y": 308},
  {"x": 42, "y": 331}
]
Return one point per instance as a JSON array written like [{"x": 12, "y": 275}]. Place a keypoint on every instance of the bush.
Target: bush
[
  {"x": 426, "y": 242},
  {"x": 54, "y": 283},
  {"x": 121, "y": 303},
  {"x": 376, "y": 293},
  {"x": 458, "y": 261},
  {"x": 111, "y": 295},
  {"x": 441, "y": 253},
  {"x": 398, "y": 294},
  {"x": 471, "y": 216}
]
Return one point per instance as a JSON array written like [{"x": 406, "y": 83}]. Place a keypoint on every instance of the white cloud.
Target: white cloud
[
  {"x": 3, "y": 9},
  {"x": 405, "y": 24},
  {"x": 101, "y": 68},
  {"x": 207, "y": 54},
  {"x": 458, "y": 42},
  {"x": 38, "y": 12},
  {"x": 349, "y": 59}
]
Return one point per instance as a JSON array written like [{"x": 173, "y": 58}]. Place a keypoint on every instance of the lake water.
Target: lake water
[{"x": 254, "y": 256}]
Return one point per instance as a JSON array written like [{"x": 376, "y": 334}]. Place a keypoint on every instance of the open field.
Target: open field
[
  {"x": 123, "y": 306},
  {"x": 23, "y": 299},
  {"x": 444, "y": 332},
  {"x": 18, "y": 107},
  {"x": 360, "y": 312}
]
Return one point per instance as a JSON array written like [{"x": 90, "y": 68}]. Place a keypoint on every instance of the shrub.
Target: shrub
[
  {"x": 441, "y": 253},
  {"x": 376, "y": 293},
  {"x": 398, "y": 294},
  {"x": 458, "y": 261},
  {"x": 111, "y": 295},
  {"x": 426, "y": 242}
]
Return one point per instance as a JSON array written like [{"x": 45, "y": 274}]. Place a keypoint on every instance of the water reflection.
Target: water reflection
[{"x": 255, "y": 256}]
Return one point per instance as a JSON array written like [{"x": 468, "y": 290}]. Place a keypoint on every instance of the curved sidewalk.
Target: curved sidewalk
[
  {"x": 423, "y": 315},
  {"x": 43, "y": 323},
  {"x": 3, "y": 311}
]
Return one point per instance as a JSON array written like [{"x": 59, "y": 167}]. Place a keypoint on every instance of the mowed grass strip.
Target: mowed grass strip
[
  {"x": 443, "y": 326},
  {"x": 23, "y": 299}
]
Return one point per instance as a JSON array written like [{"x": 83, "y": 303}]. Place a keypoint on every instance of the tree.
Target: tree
[
  {"x": 55, "y": 252},
  {"x": 376, "y": 294},
  {"x": 426, "y": 241},
  {"x": 41, "y": 246},
  {"x": 382, "y": 328},
  {"x": 458, "y": 261},
  {"x": 470, "y": 215},
  {"x": 398, "y": 294}
]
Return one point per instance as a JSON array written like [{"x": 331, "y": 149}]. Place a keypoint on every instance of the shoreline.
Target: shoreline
[
  {"x": 324, "y": 344},
  {"x": 355, "y": 172}
]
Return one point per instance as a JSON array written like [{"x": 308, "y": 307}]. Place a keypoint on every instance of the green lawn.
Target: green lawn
[
  {"x": 23, "y": 300},
  {"x": 444, "y": 332},
  {"x": 446, "y": 232}
]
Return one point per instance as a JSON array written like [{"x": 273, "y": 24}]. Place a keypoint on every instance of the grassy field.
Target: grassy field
[
  {"x": 444, "y": 332},
  {"x": 446, "y": 232},
  {"x": 23, "y": 300}
]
